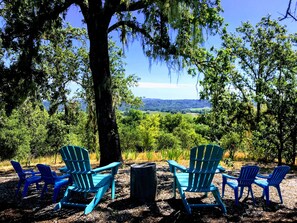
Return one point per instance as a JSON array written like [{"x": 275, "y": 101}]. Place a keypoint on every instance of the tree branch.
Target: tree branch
[
  {"x": 288, "y": 12},
  {"x": 45, "y": 16},
  {"x": 84, "y": 8},
  {"x": 133, "y": 6},
  {"x": 170, "y": 49}
]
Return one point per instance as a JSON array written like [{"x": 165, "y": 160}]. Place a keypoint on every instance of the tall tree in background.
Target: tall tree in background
[
  {"x": 26, "y": 22},
  {"x": 256, "y": 52},
  {"x": 59, "y": 60},
  {"x": 264, "y": 73}
]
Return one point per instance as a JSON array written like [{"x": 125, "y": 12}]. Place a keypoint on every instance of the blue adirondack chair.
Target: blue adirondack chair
[
  {"x": 26, "y": 176},
  {"x": 246, "y": 178},
  {"x": 272, "y": 180},
  {"x": 85, "y": 179},
  {"x": 198, "y": 177},
  {"x": 51, "y": 178}
]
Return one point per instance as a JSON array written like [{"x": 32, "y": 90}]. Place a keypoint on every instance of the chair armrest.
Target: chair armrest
[
  {"x": 30, "y": 171},
  {"x": 264, "y": 177},
  {"x": 229, "y": 177},
  {"x": 220, "y": 169},
  {"x": 173, "y": 165},
  {"x": 62, "y": 176},
  {"x": 63, "y": 169},
  {"x": 113, "y": 166}
]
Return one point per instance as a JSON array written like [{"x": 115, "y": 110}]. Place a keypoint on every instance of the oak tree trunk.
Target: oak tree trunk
[{"x": 99, "y": 62}]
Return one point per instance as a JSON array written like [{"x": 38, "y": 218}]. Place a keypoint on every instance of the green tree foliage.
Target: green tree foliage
[
  {"x": 14, "y": 139},
  {"x": 281, "y": 103},
  {"x": 34, "y": 117},
  {"x": 201, "y": 125},
  {"x": 167, "y": 141},
  {"x": 170, "y": 121},
  {"x": 186, "y": 134},
  {"x": 230, "y": 142},
  {"x": 56, "y": 137},
  {"x": 23, "y": 133},
  {"x": 145, "y": 132},
  {"x": 149, "y": 130},
  {"x": 168, "y": 30},
  {"x": 257, "y": 51},
  {"x": 60, "y": 62},
  {"x": 228, "y": 106},
  {"x": 256, "y": 66},
  {"x": 128, "y": 129}
]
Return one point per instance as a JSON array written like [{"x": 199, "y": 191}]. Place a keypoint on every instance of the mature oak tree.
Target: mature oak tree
[
  {"x": 256, "y": 66},
  {"x": 168, "y": 29}
]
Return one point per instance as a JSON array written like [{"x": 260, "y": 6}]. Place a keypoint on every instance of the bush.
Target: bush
[
  {"x": 167, "y": 141},
  {"x": 231, "y": 142}
]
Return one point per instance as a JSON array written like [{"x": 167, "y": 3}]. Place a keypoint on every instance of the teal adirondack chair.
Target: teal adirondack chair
[
  {"x": 204, "y": 161},
  {"x": 85, "y": 179}
]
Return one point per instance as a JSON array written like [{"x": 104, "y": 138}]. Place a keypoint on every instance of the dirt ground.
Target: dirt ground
[{"x": 164, "y": 209}]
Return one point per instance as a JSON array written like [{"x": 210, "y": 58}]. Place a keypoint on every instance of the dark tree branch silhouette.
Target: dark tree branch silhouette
[{"x": 290, "y": 13}]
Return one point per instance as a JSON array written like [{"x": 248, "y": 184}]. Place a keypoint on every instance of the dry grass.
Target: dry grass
[{"x": 133, "y": 157}]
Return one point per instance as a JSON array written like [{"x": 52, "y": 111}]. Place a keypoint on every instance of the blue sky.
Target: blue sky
[{"x": 155, "y": 81}]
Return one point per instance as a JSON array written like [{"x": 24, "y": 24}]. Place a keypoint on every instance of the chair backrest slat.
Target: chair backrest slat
[
  {"x": 18, "y": 169},
  {"x": 46, "y": 173},
  {"x": 204, "y": 160},
  {"x": 247, "y": 175},
  {"x": 278, "y": 175},
  {"x": 78, "y": 164}
]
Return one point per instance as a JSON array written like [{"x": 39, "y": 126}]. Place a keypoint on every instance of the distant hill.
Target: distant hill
[
  {"x": 173, "y": 106},
  {"x": 162, "y": 105}
]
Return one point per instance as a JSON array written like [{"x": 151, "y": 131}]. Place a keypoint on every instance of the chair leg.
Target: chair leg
[
  {"x": 18, "y": 188},
  {"x": 236, "y": 195},
  {"x": 66, "y": 197},
  {"x": 96, "y": 199},
  {"x": 56, "y": 193},
  {"x": 44, "y": 189},
  {"x": 25, "y": 191},
  {"x": 266, "y": 192},
  {"x": 174, "y": 187},
  {"x": 263, "y": 193},
  {"x": 37, "y": 185},
  {"x": 241, "y": 192},
  {"x": 184, "y": 199},
  {"x": 279, "y": 193},
  {"x": 251, "y": 191},
  {"x": 223, "y": 186},
  {"x": 219, "y": 200},
  {"x": 112, "y": 189}
]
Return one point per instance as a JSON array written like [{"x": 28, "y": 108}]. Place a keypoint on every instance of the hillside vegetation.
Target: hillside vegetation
[{"x": 174, "y": 106}]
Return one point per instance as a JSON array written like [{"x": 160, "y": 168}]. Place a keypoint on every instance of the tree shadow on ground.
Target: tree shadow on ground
[
  {"x": 123, "y": 209},
  {"x": 258, "y": 211},
  {"x": 14, "y": 208}
]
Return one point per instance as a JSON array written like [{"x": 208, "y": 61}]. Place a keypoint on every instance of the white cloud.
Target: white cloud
[{"x": 163, "y": 85}]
